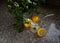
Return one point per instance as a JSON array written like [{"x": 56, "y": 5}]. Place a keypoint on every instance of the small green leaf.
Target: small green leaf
[
  {"x": 9, "y": 6},
  {"x": 16, "y": 4},
  {"x": 34, "y": 3},
  {"x": 9, "y": 0},
  {"x": 29, "y": 1}
]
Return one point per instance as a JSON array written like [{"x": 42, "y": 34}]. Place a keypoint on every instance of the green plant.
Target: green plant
[{"x": 20, "y": 7}]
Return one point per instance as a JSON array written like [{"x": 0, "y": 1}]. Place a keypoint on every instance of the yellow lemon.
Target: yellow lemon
[
  {"x": 26, "y": 25},
  {"x": 41, "y": 32},
  {"x": 35, "y": 18}
]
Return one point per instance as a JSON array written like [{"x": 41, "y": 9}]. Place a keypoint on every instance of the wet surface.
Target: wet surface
[{"x": 9, "y": 35}]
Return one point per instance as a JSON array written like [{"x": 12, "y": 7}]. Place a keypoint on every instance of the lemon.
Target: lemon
[
  {"x": 26, "y": 25},
  {"x": 41, "y": 32},
  {"x": 35, "y": 18}
]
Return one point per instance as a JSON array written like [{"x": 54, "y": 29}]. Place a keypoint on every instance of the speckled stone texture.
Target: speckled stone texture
[
  {"x": 9, "y": 35},
  {"x": 53, "y": 2}
]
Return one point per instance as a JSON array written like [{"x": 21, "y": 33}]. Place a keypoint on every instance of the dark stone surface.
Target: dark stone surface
[
  {"x": 53, "y": 2},
  {"x": 9, "y": 35}
]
